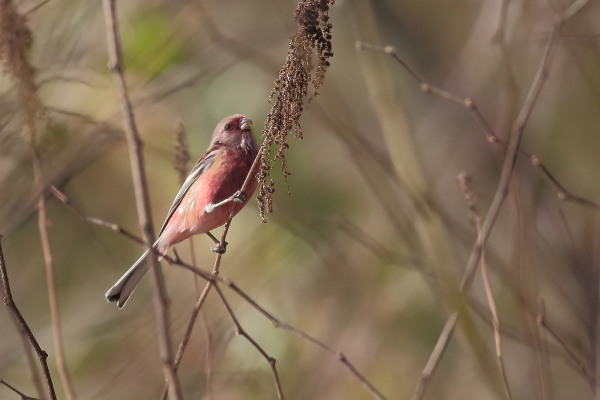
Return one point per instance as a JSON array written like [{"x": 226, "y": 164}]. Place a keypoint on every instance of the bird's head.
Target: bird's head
[{"x": 235, "y": 131}]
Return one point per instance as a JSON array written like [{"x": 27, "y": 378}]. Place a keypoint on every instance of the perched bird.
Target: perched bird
[{"x": 207, "y": 198}]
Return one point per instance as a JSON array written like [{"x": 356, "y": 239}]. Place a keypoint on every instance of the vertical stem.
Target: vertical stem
[
  {"x": 161, "y": 308},
  {"x": 48, "y": 264},
  {"x": 489, "y": 221}
]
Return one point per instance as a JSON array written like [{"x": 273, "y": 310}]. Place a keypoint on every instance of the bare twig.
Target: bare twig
[
  {"x": 492, "y": 214},
  {"x": 35, "y": 374},
  {"x": 472, "y": 107},
  {"x": 211, "y": 278},
  {"x": 360, "y": 236},
  {"x": 142, "y": 199},
  {"x": 192, "y": 321},
  {"x": 36, "y": 7},
  {"x": 200, "y": 301},
  {"x": 188, "y": 333},
  {"x": 278, "y": 324},
  {"x": 23, "y": 396},
  {"x": 239, "y": 330},
  {"x": 96, "y": 221},
  {"x": 49, "y": 267},
  {"x": 10, "y": 303},
  {"x": 464, "y": 183},
  {"x": 15, "y": 42},
  {"x": 495, "y": 320},
  {"x": 576, "y": 359},
  {"x": 182, "y": 157},
  {"x": 203, "y": 295},
  {"x": 83, "y": 117}
]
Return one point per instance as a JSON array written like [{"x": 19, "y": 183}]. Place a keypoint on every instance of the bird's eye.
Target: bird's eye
[{"x": 227, "y": 127}]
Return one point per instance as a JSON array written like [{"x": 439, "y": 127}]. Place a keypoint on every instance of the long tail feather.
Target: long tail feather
[{"x": 123, "y": 288}]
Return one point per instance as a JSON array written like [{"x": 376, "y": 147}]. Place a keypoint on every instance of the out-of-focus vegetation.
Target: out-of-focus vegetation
[{"x": 366, "y": 251}]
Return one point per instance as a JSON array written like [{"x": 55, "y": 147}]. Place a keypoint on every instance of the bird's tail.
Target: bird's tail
[{"x": 121, "y": 290}]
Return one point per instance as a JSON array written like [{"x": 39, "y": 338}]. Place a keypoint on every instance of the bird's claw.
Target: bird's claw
[
  {"x": 239, "y": 196},
  {"x": 219, "y": 249}
]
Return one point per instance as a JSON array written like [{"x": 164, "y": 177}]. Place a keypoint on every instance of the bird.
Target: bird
[{"x": 208, "y": 197}]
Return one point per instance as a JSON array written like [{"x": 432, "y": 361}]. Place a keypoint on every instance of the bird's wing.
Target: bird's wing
[{"x": 202, "y": 165}]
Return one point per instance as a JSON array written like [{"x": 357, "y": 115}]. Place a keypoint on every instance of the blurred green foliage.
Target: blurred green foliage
[{"x": 150, "y": 46}]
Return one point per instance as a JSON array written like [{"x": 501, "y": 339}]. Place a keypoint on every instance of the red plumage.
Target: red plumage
[{"x": 205, "y": 200}]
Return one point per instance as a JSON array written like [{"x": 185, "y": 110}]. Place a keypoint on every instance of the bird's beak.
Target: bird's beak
[{"x": 245, "y": 124}]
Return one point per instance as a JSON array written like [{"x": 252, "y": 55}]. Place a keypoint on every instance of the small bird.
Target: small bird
[{"x": 209, "y": 195}]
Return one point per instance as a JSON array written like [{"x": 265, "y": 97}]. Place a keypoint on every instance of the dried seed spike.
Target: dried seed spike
[{"x": 307, "y": 62}]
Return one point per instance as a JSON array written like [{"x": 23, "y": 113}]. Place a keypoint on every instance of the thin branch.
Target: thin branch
[
  {"x": 495, "y": 321},
  {"x": 492, "y": 214},
  {"x": 200, "y": 302},
  {"x": 472, "y": 107},
  {"x": 57, "y": 335},
  {"x": 204, "y": 274},
  {"x": 23, "y": 396},
  {"x": 278, "y": 324},
  {"x": 83, "y": 117},
  {"x": 96, "y": 221},
  {"x": 239, "y": 330},
  {"x": 578, "y": 361},
  {"x": 363, "y": 238},
  {"x": 36, "y": 7},
  {"x": 515, "y": 334},
  {"x": 215, "y": 272},
  {"x": 464, "y": 182},
  {"x": 35, "y": 374},
  {"x": 10, "y": 303},
  {"x": 161, "y": 308},
  {"x": 17, "y": 64}
]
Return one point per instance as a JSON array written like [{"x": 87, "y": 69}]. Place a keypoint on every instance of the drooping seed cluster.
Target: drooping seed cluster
[
  {"x": 15, "y": 41},
  {"x": 309, "y": 45}
]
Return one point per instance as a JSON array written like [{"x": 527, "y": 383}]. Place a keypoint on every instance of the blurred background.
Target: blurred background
[{"x": 366, "y": 250}]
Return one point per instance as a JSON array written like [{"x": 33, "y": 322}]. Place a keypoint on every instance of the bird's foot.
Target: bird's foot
[
  {"x": 238, "y": 197},
  {"x": 220, "y": 249},
  {"x": 209, "y": 208}
]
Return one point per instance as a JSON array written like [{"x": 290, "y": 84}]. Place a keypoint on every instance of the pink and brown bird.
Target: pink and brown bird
[{"x": 207, "y": 198}]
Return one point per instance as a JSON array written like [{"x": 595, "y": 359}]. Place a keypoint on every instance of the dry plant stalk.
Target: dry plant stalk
[
  {"x": 465, "y": 184},
  {"x": 240, "y": 331},
  {"x": 513, "y": 149},
  {"x": 15, "y": 41},
  {"x": 182, "y": 153},
  {"x": 311, "y": 40},
  {"x": 24, "y": 327},
  {"x": 161, "y": 309},
  {"x": 489, "y": 220},
  {"x": 562, "y": 192}
]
